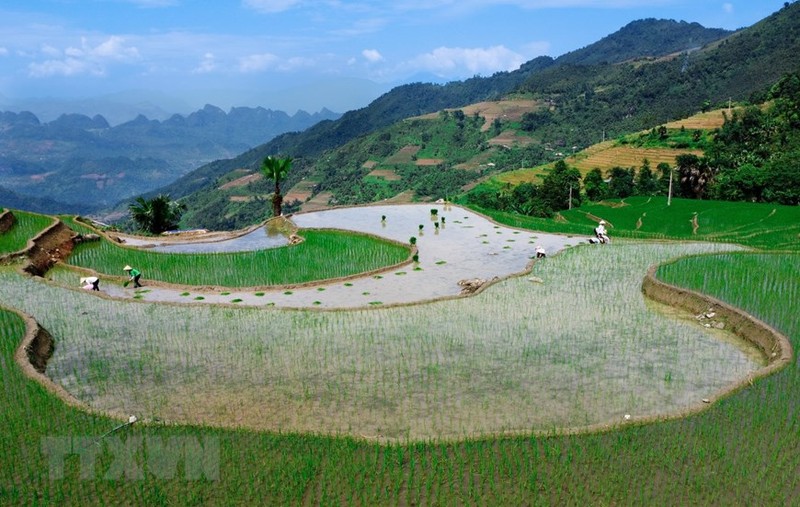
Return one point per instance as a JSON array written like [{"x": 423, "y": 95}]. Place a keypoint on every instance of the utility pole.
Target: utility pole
[
  {"x": 570, "y": 196},
  {"x": 669, "y": 195}
]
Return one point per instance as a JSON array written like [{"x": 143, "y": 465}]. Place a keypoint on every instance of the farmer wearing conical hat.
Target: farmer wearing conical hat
[
  {"x": 135, "y": 274},
  {"x": 90, "y": 283},
  {"x": 601, "y": 233}
]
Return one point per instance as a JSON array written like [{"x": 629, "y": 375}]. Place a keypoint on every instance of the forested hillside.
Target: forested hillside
[{"x": 367, "y": 155}]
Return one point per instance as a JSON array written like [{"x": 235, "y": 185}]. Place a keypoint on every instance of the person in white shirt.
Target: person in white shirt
[
  {"x": 601, "y": 233},
  {"x": 90, "y": 283}
]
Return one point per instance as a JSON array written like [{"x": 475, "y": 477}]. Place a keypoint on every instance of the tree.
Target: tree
[
  {"x": 783, "y": 179},
  {"x": 555, "y": 190},
  {"x": 694, "y": 175},
  {"x": 746, "y": 182},
  {"x": 594, "y": 186},
  {"x": 645, "y": 183},
  {"x": 156, "y": 215},
  {"x": 621, "y": 184},
  {"x": 276, "y": 170}
]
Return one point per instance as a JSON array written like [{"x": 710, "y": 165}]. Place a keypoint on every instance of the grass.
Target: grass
[
  {"x": 27, "y": 226},
  {"x": 345, "y": 254},
  {"x": 710, "y": 458},
  {"x": 425, "y": 371},
  {"x": 741, "y": 451},
  {"x": 763, "y": 226}
]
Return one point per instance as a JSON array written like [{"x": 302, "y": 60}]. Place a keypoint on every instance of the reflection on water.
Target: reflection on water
[
  {"x": 464, "y": 246},
  {"x": 259, "y": 239}
]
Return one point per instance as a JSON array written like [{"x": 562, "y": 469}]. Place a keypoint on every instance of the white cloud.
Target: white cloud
[
  {"x": 66, "y": 67},
  {"x": 362, "y": 27},
  {"x": 295, "y": 63},
  {"x": 114, "y": 49},
  {"x": 728, "y": 8},
  {"x": 459, "y": 62},
  {"x": 268, "y": 61},
  {"x": 270, "y": 6},
  {"x": 207, "y": 64},
  {"x": 51, "y": 51},
  {"x": 257, "y": 63},
  {"x": 372, "y": 55},
  {"x": 86, "y": 59}
]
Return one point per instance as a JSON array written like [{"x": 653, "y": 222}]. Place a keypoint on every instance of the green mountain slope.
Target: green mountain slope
[{"x": 576, "y": 106}]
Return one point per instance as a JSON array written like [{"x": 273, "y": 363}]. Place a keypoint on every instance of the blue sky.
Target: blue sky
[{"x": 224, "y": 52}]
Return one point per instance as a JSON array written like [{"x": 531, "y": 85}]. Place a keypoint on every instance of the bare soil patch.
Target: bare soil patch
[
  {"x": 505, "y": 110},
  {"x": 318, "y": 202},
  {"x": 605, "y": 156},
  {"x": 703, "y": 121},
  {"x": 404, "y": 155},
  {"x": 240, "y": 182},
  {"x": 427, "y": 162},
  {"x": 386, "y": 174},
  {"x": 247, "y": 198},
  {"x": 301, "y": 192}
]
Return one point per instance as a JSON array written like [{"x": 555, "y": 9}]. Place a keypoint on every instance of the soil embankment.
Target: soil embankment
[
  {"x": 774, "y": 345},
  {"x": 52, "y": 245},
  {"x": 7, "y": 220}
]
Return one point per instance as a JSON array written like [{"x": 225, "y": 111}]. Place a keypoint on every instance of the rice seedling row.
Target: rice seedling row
[
  {"x": 457, "y": 368},
  {"x": 344, "y": 254},
  {"x": 711, "y": 458},
  {"x": 27, "y": 226}
]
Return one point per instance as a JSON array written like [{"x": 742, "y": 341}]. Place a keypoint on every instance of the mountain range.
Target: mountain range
[
  {"x": 648, "y": 73},
  {"x": 83, "y": 163}
]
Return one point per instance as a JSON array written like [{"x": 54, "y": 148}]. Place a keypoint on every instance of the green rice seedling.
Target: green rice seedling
[
  {"x": 344, "y": 253},
  {"x": 26, "y": 226},
  {"x": 708, "y": 458},
  {"x": 504, "y": 343}
]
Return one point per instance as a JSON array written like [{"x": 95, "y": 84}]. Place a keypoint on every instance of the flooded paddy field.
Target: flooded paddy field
[{"x": 575, "y": 348}]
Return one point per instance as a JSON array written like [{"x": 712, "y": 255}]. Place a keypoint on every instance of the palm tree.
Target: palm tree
[
  {"x": 695, "y": 175},
  {"x": 276, "y": 169},
  {"x": 156, "y": 215}
]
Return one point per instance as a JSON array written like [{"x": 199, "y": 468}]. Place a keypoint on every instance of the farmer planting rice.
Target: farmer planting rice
[
  {"x": 601, "y": 233},
  {"x": 90, "y": 283},
  {"x": 135, "y": 274}
]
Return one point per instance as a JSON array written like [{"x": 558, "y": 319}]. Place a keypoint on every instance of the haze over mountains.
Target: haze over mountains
[
  {"x": 82, "y": 164},
  {"x": 334, "y": 94}
]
